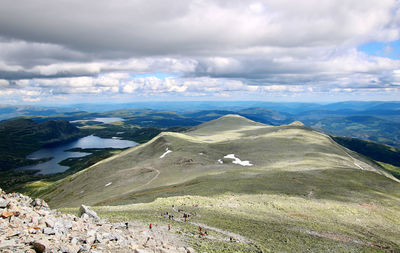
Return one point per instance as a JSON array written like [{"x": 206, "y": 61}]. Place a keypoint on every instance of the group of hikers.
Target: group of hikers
[
  {"x": 151, "y": 226},
  {"x": 201, "y": 232},
  {"x": 185, "y": 216}
]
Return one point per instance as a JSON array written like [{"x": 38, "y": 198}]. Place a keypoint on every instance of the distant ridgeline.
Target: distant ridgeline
[{"x": 19, "y": 137}]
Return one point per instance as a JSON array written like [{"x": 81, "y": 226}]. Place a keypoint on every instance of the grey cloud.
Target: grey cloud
[
  {"x": 158, "y": 27},
  {"x": 256, "y": 42}
]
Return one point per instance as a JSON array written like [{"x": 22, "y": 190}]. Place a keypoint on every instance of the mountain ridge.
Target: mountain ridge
[{"x": 175, "y": 158}]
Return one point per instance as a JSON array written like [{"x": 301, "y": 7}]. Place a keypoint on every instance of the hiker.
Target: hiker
[
  {"x": 169, "y": 227},
  {"x": 205, "y": 232},
  {"x": 150, "y": 226},
  {"x": 199, "y": 229},
  {"x": 230, "y": 239},
  {"x": 126, "y": 225}
]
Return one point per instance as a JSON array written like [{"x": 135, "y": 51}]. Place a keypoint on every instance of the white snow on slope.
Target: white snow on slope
[
  {"x": 358, "y": 166},
  {"x": 237, "y": 160},
  {"x": 220, "y": 161},
  {"x": 108, "y": 184},
  {"x": 166, "y": 152}
]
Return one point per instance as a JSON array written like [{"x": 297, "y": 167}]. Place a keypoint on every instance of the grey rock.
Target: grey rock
[
  {"x": 90, "y": 240},
  {"x": 84, "y": 248},
  {"x": 8, "y": 244},
  {"x": 4, "y": 203},
  {"x": 76, "y": 240},
  {"x": 68, "y": 224},
  {"x": 49, "y": 223},
  {"x": 49, "y": 231},
  {"x": 99, "y": 238},
  {"x": 162, "y": 250},
  {"x": 89, "y": 212},
  {"x": 59, "y": 228},
  {"x": 112, "y": 237},
  {"x": 68, "y": 249},
  {"x": 142, "y": 251}
]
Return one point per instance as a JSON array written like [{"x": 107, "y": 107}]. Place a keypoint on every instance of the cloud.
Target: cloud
[
  {"x": 209, "y": 47},
  {"x": 4, "y": 83}
]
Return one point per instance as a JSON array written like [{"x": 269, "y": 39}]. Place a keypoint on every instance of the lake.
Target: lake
[
  {"x": 59, "y": 154},
  {"x": 102, "y": 120}
]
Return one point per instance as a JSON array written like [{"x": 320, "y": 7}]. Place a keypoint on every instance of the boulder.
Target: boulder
[
  {"x": 89, "y": 213},
  {"x": 49, "y": 231},
  {"x": 39, "y": 246},
  {"x": 39, "y": 203},
  {"x": 49, "y": 223},
  {"x": 4, "y": 203}
]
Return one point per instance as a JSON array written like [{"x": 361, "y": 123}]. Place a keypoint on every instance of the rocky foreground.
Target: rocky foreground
[{"x": 28, "y": 225}]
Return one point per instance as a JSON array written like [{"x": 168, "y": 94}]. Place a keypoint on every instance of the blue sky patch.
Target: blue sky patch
[
  {"x": 161, "y": 76},
  {"x": 382, "y": 49}
]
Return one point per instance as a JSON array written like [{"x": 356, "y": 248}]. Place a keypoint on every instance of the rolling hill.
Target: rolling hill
[{"x": 281, "y": 187}]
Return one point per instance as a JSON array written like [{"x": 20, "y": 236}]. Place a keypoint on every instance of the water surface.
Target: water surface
[
  {"x": 102, "y": 120},
  {"x": 59, "y": 154}
]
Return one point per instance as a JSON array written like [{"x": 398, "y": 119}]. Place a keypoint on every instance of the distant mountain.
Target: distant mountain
[
  {"x": 361, "y": 126},
  {"x": 12, "y": 111},
  {"x": 19, "y": 137},
  {"x": 267, "y": 116},
  {"x": 372, "y": 120}
]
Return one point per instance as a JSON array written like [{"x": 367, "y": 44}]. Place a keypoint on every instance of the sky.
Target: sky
[{"x": 73, "y": 51}]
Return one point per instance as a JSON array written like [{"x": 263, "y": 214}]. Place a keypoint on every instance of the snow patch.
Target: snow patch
[
  {"x": 108, "y": 184},
  {"x": 220, "y": 161},
  {"x": 359, "y": 166},
  {"x": 166, "y": 152},
  {"x": 238, "y": 161}
]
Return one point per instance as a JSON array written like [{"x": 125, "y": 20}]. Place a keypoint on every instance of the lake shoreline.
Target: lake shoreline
[{"x": 71, "y": 149}]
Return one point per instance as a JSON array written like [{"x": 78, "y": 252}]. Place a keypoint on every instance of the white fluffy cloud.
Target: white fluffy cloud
[{"x": 209, "y": 47}]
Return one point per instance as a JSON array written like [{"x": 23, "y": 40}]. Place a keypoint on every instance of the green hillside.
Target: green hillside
[
  {"x": 19, "y": 137},
  {"x": 290, "y": 187},
  {"x": 376, "y": 151}
]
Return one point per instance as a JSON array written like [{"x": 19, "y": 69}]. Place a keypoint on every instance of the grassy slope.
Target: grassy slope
[{"x": 305, "y": 191}]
